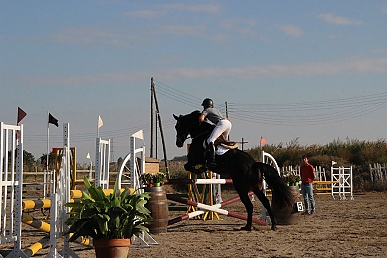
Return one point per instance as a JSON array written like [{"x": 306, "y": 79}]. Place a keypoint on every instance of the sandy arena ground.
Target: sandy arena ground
[{"x": 341, "y": 228}]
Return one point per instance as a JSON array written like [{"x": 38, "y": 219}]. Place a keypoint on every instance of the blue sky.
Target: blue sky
[{"x": 315, "y": 71}]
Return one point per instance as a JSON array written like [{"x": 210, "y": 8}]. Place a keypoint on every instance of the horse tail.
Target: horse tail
[{"x": 281, "y": 193}]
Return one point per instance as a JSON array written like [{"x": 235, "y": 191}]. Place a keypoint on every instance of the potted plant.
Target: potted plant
[
  {"x": 159, "y": 178},
  {"x": 291, "y": 179},
  {"x": 147, "y": 179},
  {"x": 112, "y": 219},
  {"x": 151, "y": 180},
  {"x": 297, "y": 180}
]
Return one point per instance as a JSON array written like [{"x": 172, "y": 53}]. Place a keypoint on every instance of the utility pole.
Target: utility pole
[
  {"x": 112, "y": 151},
  {"x": 242, "y": 142},
  {"x": 228, "y": 137},
  {"x": 152, "y": 119},
  {"x": 156, "y": 142},
  {"x": 226, "y": 109},
  {"x": 161, "y": 130}
]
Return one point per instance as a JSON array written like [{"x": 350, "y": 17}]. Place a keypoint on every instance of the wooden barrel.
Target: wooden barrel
[
  {"x": 289, "y": 215},
  {"x": 158, "y": 206}
]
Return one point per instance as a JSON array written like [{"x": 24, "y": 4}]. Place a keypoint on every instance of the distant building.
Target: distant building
[{"x": 152, "y": 165}]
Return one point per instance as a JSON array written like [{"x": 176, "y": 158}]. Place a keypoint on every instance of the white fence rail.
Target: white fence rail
[
  {"x": 11, "y": 183},
  {"x": 319, "y": 171},
  {"x": 343, "y": 187},
  {"x": 378, "y": 172}
]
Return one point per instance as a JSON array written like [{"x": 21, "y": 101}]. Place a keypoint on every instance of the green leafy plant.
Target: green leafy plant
[
  {"x": 147, "y": 178},
  {"x": 113, "y": 217},
  {"x": 159, "y": 177}
]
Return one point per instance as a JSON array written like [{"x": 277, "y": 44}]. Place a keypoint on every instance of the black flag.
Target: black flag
[
  {"x": 20, "y": 115},
  {"x": 52, "y": 120}
]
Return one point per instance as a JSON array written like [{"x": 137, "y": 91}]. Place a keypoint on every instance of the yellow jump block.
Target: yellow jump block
[
  {"x": 324, "y": 182},
  {"x": 78, "y": 193}
]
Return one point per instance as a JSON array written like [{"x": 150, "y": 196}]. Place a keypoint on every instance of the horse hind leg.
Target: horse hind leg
[
  {"x": 265, "y": 202},
  {"x": 249, "y": 208}
]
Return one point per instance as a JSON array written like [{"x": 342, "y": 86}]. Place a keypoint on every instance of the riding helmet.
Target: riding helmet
[{"x": 208, "y": 103}]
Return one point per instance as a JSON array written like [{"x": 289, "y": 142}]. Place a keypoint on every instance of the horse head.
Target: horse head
[
  {"x": 184, "y": 126},
  {"x": 181, "y": 133}
]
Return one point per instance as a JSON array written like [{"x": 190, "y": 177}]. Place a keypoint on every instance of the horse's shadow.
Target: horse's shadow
[{"x": 208, "y": 228}]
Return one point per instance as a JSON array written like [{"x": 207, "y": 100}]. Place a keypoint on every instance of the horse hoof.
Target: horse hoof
[
  {"x": 273, "y": 227},
  {"x": 246, "y": 228}
]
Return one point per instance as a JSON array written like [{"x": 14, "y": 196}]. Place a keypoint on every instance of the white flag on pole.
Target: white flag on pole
[{"x": 100, "y": 122}]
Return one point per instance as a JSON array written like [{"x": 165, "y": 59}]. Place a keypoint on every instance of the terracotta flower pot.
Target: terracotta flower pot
[{"x": 117, "y": 248}]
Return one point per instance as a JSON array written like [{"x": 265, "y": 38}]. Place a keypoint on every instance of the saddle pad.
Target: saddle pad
[
  {"x": 221, "y": 150},
  {"x": 231, "y": 147}
]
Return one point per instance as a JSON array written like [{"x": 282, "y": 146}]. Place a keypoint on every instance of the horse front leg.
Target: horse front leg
[{"x": 196, "y": 169}]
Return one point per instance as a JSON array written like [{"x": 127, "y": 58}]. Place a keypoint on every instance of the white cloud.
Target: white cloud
[
  {"x": 242, "y": 26},
  {"x": 379, "y": 51},
  {"x": 95, "y": 37},
  {"x": 238, "y": 23},
  {"x": 350, "y": 66},
  {"x": 162, "y": 10},
  {"x": 334, "y": 19},
  {"x": 181, "y": 30},
  {"x": 146, "y": 14},
  {"x": 291, "y": 30},
  {"x": 220, "y": 37},
  {"x": 334, "y": 36},
  {"x": 206, "y": 8}
]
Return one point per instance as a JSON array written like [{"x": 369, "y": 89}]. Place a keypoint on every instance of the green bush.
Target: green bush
[{"x": 356, "y": 153}]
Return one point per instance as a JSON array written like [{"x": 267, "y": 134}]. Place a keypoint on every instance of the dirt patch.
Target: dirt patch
[{"x": 341, "y": 228}]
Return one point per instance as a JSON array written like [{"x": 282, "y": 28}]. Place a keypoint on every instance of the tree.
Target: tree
[
  {"x": 119, "y": 161},
  {"x": 51, "y": 161},
  {"x": 28, "y": 161}
]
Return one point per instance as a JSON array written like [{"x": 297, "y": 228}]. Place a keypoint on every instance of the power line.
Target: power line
[{"x": 298, "y": 113}]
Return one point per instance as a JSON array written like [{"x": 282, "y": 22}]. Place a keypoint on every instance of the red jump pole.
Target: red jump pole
[{"x": 215, "y": 208}]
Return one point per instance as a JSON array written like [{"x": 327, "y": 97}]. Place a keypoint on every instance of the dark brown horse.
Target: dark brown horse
[{"x": 246, "y": 173}]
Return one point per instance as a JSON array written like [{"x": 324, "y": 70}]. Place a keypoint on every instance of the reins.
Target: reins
[
  {"x": 205, "y": 132},
  {"x": 200, "y": 134},
  {"x": 190, "y": 136}
]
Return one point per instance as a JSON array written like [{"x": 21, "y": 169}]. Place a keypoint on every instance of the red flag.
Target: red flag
[
  {"x": 52, "y": 120},
  {"x": 20, "y": 115},
  {"x": 263, "y": 141}
]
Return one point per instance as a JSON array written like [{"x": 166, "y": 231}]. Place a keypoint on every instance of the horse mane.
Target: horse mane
[
  {"x": 195, "y": 113},
  {"x": 196, "y": 128}
]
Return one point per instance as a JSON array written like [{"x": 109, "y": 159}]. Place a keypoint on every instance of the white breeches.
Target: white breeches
[{"x": 222, "y": 127}]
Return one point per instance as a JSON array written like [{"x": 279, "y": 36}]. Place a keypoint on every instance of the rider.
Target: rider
[{"x": 223, "y": 126}]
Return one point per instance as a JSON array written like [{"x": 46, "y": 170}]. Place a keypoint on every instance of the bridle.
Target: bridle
[{"x": 186, "y": 133}]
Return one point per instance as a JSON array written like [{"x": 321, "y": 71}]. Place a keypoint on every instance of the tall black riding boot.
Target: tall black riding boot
[{"x": 211, "y": 162}]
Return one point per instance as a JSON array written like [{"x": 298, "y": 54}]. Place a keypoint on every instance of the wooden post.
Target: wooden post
[
  {"x": 152, "y": 119},
  {"x": 161, "y": 131}
]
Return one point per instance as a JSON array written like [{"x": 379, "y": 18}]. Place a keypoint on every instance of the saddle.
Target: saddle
[{"x": 222, "y": 141}]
